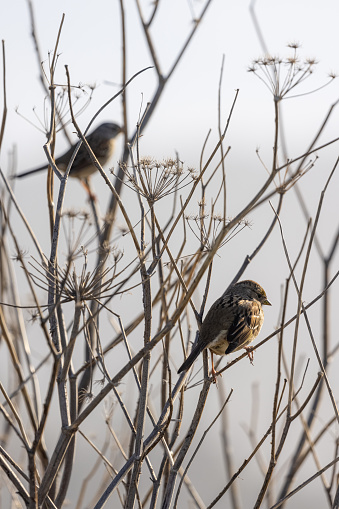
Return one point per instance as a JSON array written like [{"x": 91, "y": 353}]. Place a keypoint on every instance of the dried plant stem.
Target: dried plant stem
[
  {"x": 4, "y": 113},
  {"x": 299, "y": 456},
  {"x": 305, "y": 483},
  {"x": 199, "y": 445},
  {"x": 185, "y": 446}
]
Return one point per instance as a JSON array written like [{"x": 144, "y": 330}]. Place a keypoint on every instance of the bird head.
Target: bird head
[
  {"x": 252, "y": 290},
  {"x": 109, "y": 130}
]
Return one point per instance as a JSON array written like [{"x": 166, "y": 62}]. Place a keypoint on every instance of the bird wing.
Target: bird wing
[
  {"x": 99, "y": 147},
  {"x": 206, "y": 335},
  {"x": 80, "y": 159},
  {"x": 246, "y": 325}
]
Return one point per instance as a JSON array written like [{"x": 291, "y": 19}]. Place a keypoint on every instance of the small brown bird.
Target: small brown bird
[
  {"x": 101, "y": 141},
  {"x": 232, "y": 323}
]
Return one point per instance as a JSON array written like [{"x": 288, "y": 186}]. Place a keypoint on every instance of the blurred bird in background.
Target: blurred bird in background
[{"x": 101, "y": 141}]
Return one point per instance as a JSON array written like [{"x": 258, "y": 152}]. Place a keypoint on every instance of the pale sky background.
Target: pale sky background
[{"x": 90, "y": 45}]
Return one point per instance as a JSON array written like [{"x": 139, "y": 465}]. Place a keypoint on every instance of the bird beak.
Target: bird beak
[{"x": 266, "y": 303}]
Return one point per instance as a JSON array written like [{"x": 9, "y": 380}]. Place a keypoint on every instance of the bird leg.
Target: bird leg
[
  {"x": 85, "y": 183},
  {"x": 213, "y": 372}
]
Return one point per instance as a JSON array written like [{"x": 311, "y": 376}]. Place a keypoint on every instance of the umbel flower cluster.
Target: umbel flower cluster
[
  {"x": 154, "y": 179},
  {"x": 281, "y": 75}
]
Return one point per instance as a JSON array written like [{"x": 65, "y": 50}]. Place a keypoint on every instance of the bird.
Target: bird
[
  {"x": 101, "y": 141},
  {"x": 232, "y": 323}
]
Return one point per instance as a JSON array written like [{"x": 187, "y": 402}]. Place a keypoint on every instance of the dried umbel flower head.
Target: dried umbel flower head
[
  {"x": 82, "y": 95},
  {"x": 83, "y": 286},
  {"x": 207, "y": 226},
  {"x": 154, "y": 179},
  {"x": 281, "y": 75}
]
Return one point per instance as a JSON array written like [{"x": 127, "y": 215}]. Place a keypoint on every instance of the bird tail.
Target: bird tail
[
  {"x": 191, "y": 358},
  {"x": 29, "y": 172}
]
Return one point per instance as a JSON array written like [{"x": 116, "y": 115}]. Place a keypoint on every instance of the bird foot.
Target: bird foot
[
  {"x": 214, "y": 375},
  {"x": 249, "y": 351},
  {"x": 92, "y": 197}
]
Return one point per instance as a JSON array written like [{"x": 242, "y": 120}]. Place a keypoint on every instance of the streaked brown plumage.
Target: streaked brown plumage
[
  {"x": 101, "y": 141},
  {"x": 232, "y": 323}
]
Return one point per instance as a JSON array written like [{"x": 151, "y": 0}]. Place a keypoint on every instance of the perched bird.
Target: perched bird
[
  {"x": 101, "y": 141},
  {"x": 232, "y": 323}
]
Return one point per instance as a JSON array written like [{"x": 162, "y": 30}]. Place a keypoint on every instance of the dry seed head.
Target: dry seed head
[
  {"x": 147, "y": 162},
  {"x": 169, "y": 163},
  {"x": 311, "y": 61},
  {"x": 154, "y": 180},
  {"x": 292, "y": 61},
  {"x": 20, "y": 255},
  {"x": 294, "y": 45},
  {"x": 35, "y": 316}
]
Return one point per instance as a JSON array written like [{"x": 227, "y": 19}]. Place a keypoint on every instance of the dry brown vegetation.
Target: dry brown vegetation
[{"x": 98, "y": 371}]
